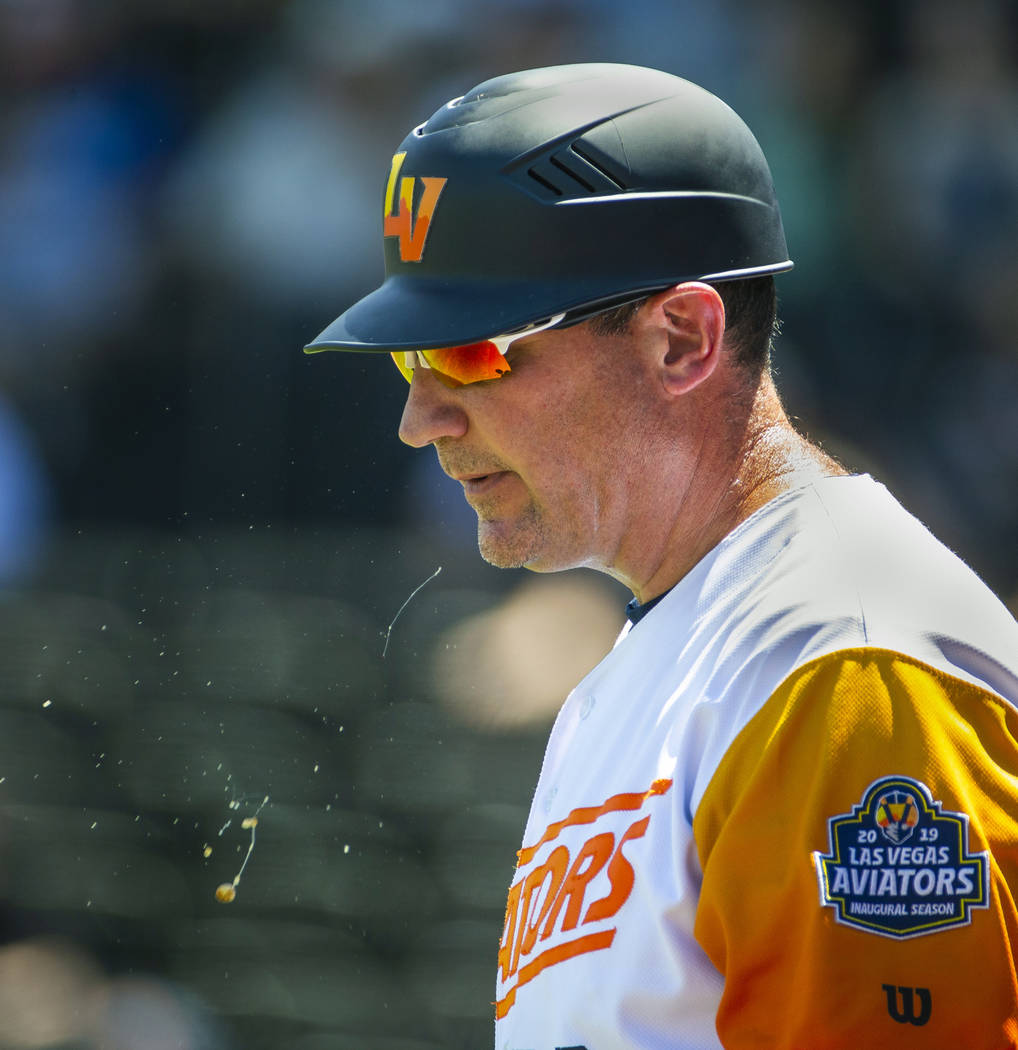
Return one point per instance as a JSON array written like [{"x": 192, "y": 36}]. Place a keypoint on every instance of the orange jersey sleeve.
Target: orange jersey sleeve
[{"x": 859, "y": 848}]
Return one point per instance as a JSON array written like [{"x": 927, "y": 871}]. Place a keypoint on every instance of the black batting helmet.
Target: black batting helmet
[{"x": 561, "y": 190}]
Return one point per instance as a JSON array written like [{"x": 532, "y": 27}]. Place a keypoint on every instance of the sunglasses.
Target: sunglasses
[{"x": 456, "y": 366}]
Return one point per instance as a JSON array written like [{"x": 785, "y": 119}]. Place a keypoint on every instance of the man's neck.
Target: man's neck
[{"x": 766, "y": 457}]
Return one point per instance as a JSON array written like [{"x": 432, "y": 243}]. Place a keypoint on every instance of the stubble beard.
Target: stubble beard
[{"x": 512, "y": 543}]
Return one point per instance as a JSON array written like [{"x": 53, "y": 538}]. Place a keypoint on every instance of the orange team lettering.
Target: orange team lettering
[
  {"x": 546, "y": 904},
  {"x": 411, "y": 233},
  {"x": 532, "y": 914},
  {"x": 589, "y": 814}
]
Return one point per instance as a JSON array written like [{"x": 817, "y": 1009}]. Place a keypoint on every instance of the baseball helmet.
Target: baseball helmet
[{"x": 561, "y": 190}]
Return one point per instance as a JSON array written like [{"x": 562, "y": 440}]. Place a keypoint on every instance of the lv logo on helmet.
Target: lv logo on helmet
[{"x": 412, "y": 233}]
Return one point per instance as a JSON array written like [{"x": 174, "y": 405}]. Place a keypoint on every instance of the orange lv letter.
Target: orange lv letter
[{"x": 411, "y": 233}]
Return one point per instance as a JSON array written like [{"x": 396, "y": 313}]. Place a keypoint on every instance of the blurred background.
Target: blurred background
[{"x": 205, "y": 536}]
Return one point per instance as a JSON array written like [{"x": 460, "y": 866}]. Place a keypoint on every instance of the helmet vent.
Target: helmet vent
[
  {"x": 567, "y": 173},
  {"x": 548, "y": 187},
  {"x": 600, "y": 168}
]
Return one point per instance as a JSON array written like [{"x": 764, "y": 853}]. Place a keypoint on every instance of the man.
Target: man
[{"x": 780, "y": 813}]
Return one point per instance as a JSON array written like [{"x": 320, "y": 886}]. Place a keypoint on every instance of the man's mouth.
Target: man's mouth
[{"x": 478, "y": 484}]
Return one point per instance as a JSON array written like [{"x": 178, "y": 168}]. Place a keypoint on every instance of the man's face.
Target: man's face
[{"x": 539, "y": 451}]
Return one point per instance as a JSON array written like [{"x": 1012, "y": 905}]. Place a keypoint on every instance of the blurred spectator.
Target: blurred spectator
[
  {"x": 25, "y": 500},
  {"x": 800, "y": 84},
  {"x": 53, "y": 993},
  {"x": 938, "y": 176},
  {"x": 280, "y": 195},
  {"x": 937, "y": 209},
  {"x": 85, "y": 128}
]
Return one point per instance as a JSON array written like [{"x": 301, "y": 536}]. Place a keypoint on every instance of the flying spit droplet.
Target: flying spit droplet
[
  {"x": 227, "y": 891},
  {"x": 413, "y": 593}
]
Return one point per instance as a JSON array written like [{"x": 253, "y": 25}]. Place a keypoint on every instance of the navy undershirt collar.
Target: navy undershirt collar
[{"x": 635, "y": 611}]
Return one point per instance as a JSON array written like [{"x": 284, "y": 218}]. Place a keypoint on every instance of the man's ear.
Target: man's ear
[{"x": 691, "y": 319}]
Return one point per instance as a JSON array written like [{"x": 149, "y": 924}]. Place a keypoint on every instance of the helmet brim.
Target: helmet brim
[{"x": 411, "y": 313}]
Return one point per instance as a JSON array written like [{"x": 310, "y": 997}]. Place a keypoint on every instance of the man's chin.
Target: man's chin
[
  {"x": 509, "y": 544},
  {"x": 502, "y": 555}
]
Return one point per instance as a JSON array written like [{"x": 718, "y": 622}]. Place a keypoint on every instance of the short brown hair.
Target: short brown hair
[{"x": 751, "y": 320}]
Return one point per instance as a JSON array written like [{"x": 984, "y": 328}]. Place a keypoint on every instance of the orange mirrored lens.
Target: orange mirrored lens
[
  {"x": 468, "y": 364},
  {"x": 459, "y": 365}
]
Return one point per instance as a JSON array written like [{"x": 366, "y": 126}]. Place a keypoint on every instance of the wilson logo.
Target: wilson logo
[
  {"x": 562, "y": 905},
  {"x": 412, "y": 233},
  {"x": 907, "y": 1013}
]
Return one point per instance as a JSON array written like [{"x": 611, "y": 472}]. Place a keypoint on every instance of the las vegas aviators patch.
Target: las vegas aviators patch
[{"x": 899, "y": 866}]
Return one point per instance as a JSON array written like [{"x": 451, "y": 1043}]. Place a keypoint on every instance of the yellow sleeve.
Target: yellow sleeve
[{"x": 859, "y": 848}]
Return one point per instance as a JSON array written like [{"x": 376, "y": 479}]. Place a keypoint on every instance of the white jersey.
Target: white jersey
[{"x": 781, "y": 812}]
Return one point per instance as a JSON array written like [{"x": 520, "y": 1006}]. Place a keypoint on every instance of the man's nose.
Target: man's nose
[{"x": 431, "y": 412}]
